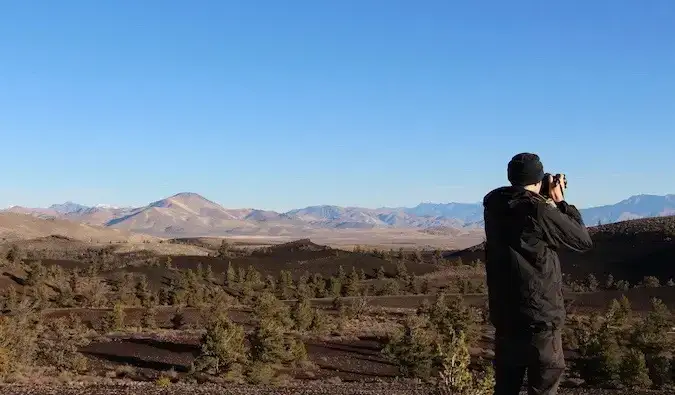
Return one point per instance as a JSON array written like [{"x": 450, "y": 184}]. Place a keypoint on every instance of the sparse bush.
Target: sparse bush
[
  {"x": 659, "y": 367},
  {"x": 125, "y": 292},
  {"x": 622, "y": 285},
  {"x": 302, "y": 315},
  {"x": 18, "y": 338},
  {"x": 670, "y": 283},
  {"x": 36, "y": 273},
  {"x": 609, "y": 282},
  {"x": 270, "y": 345},
  {"x": 612, "y": 348},
  {"x": 142, "y": 292},
  {"x": 268, "y": 307},
  {"x": 411, "y": 285},
  {"x": 303, "y": 289},
  {"x": 633, "y": 370},
  {"x": 455, "y": 377},
  {"x": 619, "y": 312},
  {"x": 352, "y": 285},
  {"x": 149, "y": 318},
  {"x": 318, "y": 286},
  {"x": 424, "y": 308},
  {"x": 319, "y": 323},
  {"x": 260, "y": 373},
  {"x": 426, "y": 286},
  {"x": 390, "y": 287},
  {"x": 114, "y": 319},
  {"x": 592, "y": 283},
  {"x": 652, "y": 336},
  {"x": 225, "y": 250},
  {"x": 59, "y": 343},
  {"x": 65, "y": 298},
  {"x": 380, "y": 274},
  {"x": 359, "y": 307},
  {"x": 451, "y": 317},
  {"x": 599, "y": 352},
  {"x": 401, "y": 270},
  {"x": 413, "y": 348},
  {"x": 286, "y": 285},
  {"x": 163, "y": 381},
  {"x": 95, "y": 292},
  {"x": 178, "y": 320},
  {"x": 334, "y": 287},
  {"x": 230, "y": 275},
  {"x": 341, "y": 275},
  {"x": 650, "y": 282},
  {"x": 223, "y": 346}
]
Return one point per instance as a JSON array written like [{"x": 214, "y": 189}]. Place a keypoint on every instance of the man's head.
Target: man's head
[{"x": 526, "y": 170}]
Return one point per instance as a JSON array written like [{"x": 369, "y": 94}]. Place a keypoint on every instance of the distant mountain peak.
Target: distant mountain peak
[
  {"x": 188, "y": 194},
  {"x": 68, "y": 207}
]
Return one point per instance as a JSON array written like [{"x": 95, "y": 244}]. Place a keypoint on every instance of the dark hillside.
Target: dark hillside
[
  {"x": 299, "y": 257},
  {"x": 629, "y": 250}
]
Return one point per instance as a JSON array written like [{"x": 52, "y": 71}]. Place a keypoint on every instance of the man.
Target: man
[{"x": 523, "y": 232}]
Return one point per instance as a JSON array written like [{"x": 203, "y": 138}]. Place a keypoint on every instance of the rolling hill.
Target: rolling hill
[
  {"x": 190, "y": 214},
  {"x": 14, "y": 226}
]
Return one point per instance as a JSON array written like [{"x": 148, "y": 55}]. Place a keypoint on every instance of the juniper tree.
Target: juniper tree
[
  {"x": 142, "y": 292},
  {"x": 333, "y": 287},
  {"x": 351, "y": 287},
  {"x": 609, "y": 283},
  {"x": 302, "y": 314},
  {"x": 230, "y": 275},
  {"x": 592, "y": 283},
  {"x": 318, "y": 285},
  {"x": 401, "y": 270},
  {"x": 208, "y": 273},
  {"x": 286, "y": 285},
  {"x": 341, "y": 275},
  {"x": 36, "y": 273},
  {"x": 223, "y": 346},
  {"x": 380, "y": 273}
]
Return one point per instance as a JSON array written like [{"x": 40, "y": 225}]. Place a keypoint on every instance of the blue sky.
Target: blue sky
[{"x": 276, "y": 105}]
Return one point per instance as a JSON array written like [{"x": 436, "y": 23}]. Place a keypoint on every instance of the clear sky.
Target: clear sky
[{"x": 282, "y": 104}]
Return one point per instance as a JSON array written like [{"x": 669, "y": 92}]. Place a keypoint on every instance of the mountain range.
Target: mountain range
[{"x": 190, "y": 214}]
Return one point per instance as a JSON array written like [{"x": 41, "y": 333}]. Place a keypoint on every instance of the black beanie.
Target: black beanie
[{"x": 525, "y": 169}]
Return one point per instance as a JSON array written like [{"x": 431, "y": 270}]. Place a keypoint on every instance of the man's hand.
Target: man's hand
[{"x": 557, "y": 187}]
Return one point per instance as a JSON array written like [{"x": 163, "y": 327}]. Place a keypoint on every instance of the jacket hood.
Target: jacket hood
[{"x": 508, "y": 197}]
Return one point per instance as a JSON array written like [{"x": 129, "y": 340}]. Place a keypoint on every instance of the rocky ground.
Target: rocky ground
[{"x": 324, "y": 388}]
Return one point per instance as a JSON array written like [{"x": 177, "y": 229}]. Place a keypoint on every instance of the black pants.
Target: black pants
[{"x": 539, "y": 352}]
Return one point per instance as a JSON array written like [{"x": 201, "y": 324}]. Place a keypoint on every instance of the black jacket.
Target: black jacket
[{"x": 523, "y": 232}]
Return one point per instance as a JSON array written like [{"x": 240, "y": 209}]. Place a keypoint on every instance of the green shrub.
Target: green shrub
[
  {"x": 650, "y": 282},
  {"x": 302, "y": 315},
  {"x": 451, "y": 317},
  {"x": 59, "y": 343},
  {"x": 223, "y": 346},
  {"x": 268, "y": 307},
  {"x": 412, "y": 349},
  {"x": 633, "y": 369},
  {"x": 270, "y": 345},
  {"x": 455, "y": 377}
]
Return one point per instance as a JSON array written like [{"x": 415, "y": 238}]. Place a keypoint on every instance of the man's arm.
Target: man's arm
[{"x": 563, "y": 226}]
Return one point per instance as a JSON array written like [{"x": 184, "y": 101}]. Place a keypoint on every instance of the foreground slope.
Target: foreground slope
[{"x": 629, "y": 250}]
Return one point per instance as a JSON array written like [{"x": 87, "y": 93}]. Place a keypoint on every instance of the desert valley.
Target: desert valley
[{"x": 185, "y": 295}]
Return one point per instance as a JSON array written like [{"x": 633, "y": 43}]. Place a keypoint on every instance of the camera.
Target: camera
[{"x": 558, "y": 179}]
